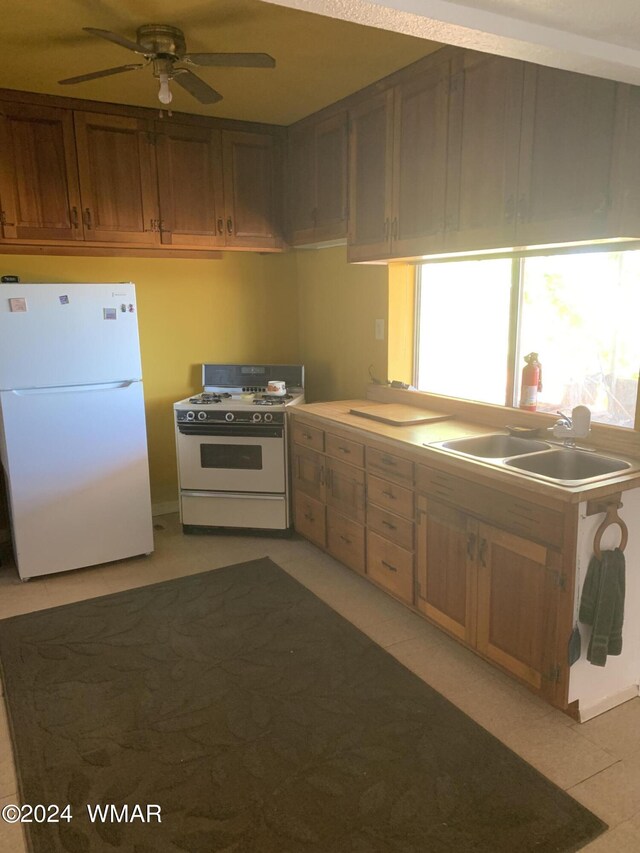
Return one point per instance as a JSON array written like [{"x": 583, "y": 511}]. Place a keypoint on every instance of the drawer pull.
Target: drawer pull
[
  {"x": 345, "y": 539},
  {"x": 389, "y": 495},
  {"x": 389, "y": 525},
  {"x": 482, "y": 553},
  {"x": 388, "y": 566},
  {"x": 344, "y": 450},
  {"x": 388, "y": 460},
  {"x": 306, "y": 435},
  {"x": 308, "y": 516}
]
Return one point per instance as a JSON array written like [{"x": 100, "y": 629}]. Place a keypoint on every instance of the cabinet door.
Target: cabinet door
[
  {"x": 301, "y": 196},
  {"x": 370, "y": 176},
  {"x": 446, "y": 568},
  {"x": 38, "y": 177},
  {"x": 420, "y": 158},
  {"x": 116, "y": 163},
  {"x": 345, "y": 489},
  {"x": 567, "y": 157},
  {"x": 190, "y": 186},
  {"x": 517, "y": 605},
  {"x": 485, "y": 115},
  {"x": 331, "y": 156},
  {"x": 308, "y": 473},
  {"x": 250, "y": 190}
]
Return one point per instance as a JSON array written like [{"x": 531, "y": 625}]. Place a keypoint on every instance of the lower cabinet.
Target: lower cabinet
[
  {"x": 345, "y": 540},
  {"x": 496, "y": 591},
  {"x": 484, "y": 566},
  {"x": 310, "y": 519},
  {"x": 518, "y": 591},
  {"x": 446, "y": 568}
]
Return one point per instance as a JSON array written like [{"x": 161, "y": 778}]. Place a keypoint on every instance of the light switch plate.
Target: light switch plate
[{"x": 379, "y": 330}]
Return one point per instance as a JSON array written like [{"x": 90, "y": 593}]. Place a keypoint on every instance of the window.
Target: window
[{"x": 478, "y": 319}]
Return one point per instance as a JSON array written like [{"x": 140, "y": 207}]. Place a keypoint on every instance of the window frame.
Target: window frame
[{"x": 515, "y": 305}]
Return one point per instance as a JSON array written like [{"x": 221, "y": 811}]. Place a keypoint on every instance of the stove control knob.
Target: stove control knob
[
  {"x": 191, "y": 416},
  {"x": 268, "y": 417},
  {"x": 202, "y": 416},
  {"x": 229, "y": 416},
  {"x": 256, "y": 417}
]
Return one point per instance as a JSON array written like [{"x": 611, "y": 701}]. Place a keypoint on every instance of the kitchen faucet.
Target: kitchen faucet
[{"x": 568, "y": 428}]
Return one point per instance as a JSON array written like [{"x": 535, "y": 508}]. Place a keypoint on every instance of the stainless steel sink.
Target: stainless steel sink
[
  {"x": 533, "y": 458},
  {"x": 498, "y": 446},
  {"x": 569, "y": 466}
]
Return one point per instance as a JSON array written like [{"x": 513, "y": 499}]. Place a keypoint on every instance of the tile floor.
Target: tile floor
[{"x": 597, "y": 762}]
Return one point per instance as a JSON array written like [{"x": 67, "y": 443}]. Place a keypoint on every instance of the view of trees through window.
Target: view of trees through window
[{"x": 579, "y": 312}]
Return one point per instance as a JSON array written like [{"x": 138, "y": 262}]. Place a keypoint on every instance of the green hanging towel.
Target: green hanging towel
[{"x": 602, "y": 605}]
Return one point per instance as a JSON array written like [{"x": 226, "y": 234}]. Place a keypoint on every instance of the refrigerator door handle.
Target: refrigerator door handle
[{"x": 62, "y": 389}]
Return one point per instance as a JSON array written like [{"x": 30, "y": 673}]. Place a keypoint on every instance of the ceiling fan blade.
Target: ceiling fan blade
[
  {"x": 200, "y": 90},
  {"x": 116, "y": 39},
  {"x": 235, "y": 60},
  {"x": 93, "y": 75}
]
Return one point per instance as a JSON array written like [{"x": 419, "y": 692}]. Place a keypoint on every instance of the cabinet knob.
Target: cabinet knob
[
  {"x": 229, "y": 226},
  {"x": 220, "y": 226},
  {"x": 386, "y": 228},
  {"x": 471, "y": 545},
  {"x": 75, "y": 222},
  {"x": 482, "y": 553},
  {"x": 87, "y": 218}
]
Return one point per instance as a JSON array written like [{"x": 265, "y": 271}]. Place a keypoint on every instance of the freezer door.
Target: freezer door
[
  {"x": 67, "y": 334},
  {"x": 77, "y": 475}
]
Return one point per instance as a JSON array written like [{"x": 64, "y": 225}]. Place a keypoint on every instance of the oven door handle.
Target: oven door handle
[{"x": 232, "y": 431}]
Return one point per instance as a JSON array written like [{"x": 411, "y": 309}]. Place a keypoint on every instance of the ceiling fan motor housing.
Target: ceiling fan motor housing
[{"x": 162, "y": 40}]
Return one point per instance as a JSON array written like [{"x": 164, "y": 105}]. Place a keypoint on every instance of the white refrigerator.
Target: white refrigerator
[{"x": 73, "y": 441}]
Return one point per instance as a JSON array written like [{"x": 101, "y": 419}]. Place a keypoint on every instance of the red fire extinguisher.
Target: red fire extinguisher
[{"x": 531, "y": 382}]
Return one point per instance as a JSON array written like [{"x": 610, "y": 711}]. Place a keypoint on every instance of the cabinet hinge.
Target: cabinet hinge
[{"x": 552, "y": 674}]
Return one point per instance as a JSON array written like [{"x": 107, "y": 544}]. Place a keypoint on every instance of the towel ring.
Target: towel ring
[{"x": 611, "y": 517}]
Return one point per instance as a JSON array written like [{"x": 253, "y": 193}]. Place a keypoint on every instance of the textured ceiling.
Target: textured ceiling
[{"x": 319, "y": 59}]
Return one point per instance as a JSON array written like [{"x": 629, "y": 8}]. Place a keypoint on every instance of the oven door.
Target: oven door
[{"x": 233, "y": 458}]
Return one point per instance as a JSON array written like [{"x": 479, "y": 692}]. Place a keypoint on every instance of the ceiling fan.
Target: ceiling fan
[{"x": 164, "y": 48}]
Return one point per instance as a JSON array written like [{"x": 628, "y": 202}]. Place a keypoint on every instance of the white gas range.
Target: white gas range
[{"x": 232, "y": 447}]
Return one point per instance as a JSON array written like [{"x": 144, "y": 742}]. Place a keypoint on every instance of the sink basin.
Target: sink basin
[
  {"x": 569, "y": 466},
  {"x": 496, "y": 446}
]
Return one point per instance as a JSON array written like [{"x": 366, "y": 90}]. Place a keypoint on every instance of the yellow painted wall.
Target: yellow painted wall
[
  {"x": 339, "y": 304},
  {"x": 402, "y": 294},
  {"x": 240, "y": 308}
]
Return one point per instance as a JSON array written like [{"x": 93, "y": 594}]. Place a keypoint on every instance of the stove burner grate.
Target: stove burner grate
[
  {"x": 267, "y": 400},
  {"x": 206, "y": 399}
]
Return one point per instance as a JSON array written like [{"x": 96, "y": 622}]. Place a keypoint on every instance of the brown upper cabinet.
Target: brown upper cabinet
[
  {"x": 532, "y": 155},
  {"x": 398, "y": 168},
  {"x": 190, "y": 186},
  {"x": 118, "y": 183},
  {"x": 97, "y": 179},
  {"x": 39, "y": 189},
  {"x": 251, "y": 190},
  {"x": 482, "y": 164},
  {"x": 317, "y": 187}
]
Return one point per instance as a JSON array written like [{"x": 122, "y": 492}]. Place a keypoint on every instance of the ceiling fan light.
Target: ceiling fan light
[{"x": 164, "y": 93}]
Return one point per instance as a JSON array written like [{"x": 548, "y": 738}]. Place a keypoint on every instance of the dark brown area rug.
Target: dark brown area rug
[{"x": 259, "y": 720}]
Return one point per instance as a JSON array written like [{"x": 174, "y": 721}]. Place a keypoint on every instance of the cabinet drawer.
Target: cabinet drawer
[
  {"x": 392, "y": 527},
  {"x": 389, "y": 465},
  {"x": 345, "y": 449},
  {"x": 513, "y": 513},
  {"x": 345, "y": 540},
  {"x": 308, "y": 436},
  {"x": 309, "y": 519},
  {"x": 390, "y": 566},
  {"x": 397, "y": 499}
]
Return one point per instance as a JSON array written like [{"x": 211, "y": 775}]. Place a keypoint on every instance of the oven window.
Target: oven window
[{"x": 248, "y": 457}]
